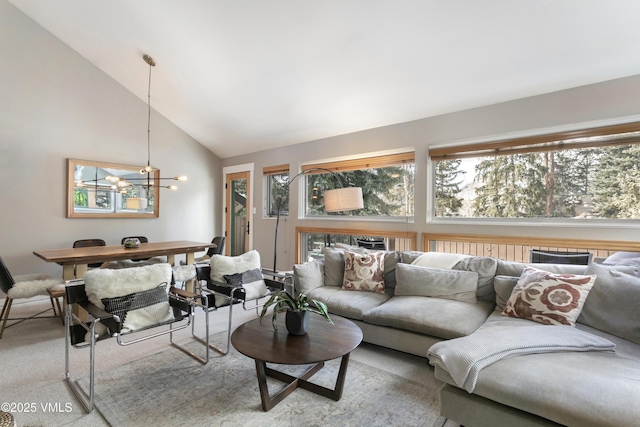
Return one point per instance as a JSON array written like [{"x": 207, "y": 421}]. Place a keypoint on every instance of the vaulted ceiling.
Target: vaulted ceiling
[{"x": 241, "y": 76}]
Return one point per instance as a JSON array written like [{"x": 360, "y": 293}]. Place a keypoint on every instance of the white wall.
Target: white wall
[
  {"x": 614, "y": 100},
  {"x": 56, "y": 105}
]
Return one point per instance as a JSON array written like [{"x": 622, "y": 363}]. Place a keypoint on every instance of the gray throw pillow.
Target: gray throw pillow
[
  {"x": 613, "y": 302},
  {"x": 333, "y": 266},
  {"x": 308, "y": 276},
  {"x": 486, "y": 268},
  {"x": 503, "y": 285},
  {"x": 413, "y": 280}
]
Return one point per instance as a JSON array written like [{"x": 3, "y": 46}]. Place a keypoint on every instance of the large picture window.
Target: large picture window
[
  {"x": 590, "y": 174},
  {"x": 387, "y": 184}
]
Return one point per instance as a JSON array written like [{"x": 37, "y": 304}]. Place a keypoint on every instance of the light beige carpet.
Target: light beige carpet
[{"x": 169, "y": 388}]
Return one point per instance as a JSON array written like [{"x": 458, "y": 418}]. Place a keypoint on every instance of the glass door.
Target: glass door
[{"x": 237, "y": 213}]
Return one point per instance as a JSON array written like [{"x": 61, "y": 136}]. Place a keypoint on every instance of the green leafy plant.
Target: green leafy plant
[{"x": 283, "y": 300}]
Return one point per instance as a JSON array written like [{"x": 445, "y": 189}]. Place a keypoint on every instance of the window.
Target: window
[
  {"x": 590, "y": 174},
  {"x": 277, "y": 179},
  {"x": 387, "y": 184}
]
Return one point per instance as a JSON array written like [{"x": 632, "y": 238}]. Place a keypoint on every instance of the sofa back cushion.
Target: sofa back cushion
[
  {"x": 612, "y": 305},
  {"x": 414, "y": 280},
  {"x": 511, "y": 268},
  {"x": 503, "y": 286},
  {"x": 485, "y": 267}
]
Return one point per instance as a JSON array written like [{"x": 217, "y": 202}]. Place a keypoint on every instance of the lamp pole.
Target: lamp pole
[{"x": 279, "y": 205}]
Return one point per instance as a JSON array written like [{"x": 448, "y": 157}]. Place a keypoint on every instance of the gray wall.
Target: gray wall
[
  {"x": 56, "y": 105},
  {"x": 614, "y": 100}
]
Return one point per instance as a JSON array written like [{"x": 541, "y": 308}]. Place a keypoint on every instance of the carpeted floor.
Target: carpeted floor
[
  {"x": 32, "y": 360},
  {"x": 170, "y": 388}
]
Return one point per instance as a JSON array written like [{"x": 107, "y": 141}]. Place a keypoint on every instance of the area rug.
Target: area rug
[{"x": 170, "y": 388}]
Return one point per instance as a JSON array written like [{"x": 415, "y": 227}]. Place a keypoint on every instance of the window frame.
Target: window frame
[
  {"x": 399, "y": 158},
  {"x": 541, "y": 141},
  {"x": 268, "y": 172}
]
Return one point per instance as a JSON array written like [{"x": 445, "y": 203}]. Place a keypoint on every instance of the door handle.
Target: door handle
[{"x": 248, "y": 222}]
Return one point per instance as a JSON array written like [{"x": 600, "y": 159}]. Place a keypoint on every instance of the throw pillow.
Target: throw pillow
[
  {"x": 308, "y": 276},
  {"x": 333, "y": 266},
  {"x": 106, "y": 284},
  {"x": 363, "y": 272},
  {"x": 414, "y": 280},
  {"x": 549, "y": 298}
]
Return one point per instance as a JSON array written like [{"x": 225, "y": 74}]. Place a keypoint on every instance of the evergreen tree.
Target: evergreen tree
[
  {"x": 510, "y": 186},
  {"x": 616, "y": 183},
  {"x": 378, "y": 187},
  {"x": 447, "y": 187}
]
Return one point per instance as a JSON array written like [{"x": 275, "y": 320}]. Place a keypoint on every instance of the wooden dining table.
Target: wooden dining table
[{"x": 74, "y": 261}]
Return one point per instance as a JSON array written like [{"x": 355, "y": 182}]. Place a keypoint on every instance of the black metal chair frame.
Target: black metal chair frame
[
  {"x": 547, "y": 257},
  {"x": 234, "y": 294},
  {"x": 182, "y": 302}
]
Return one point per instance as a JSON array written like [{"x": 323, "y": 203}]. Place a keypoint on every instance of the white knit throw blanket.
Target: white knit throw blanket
[{"x": 463, "y": 358}]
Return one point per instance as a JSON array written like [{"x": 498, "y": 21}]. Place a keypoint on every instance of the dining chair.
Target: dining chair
[
  {"x": 85, "y": 243},
  {"x": 25, "y": 286},
  {"x": 218, "y": 249}
]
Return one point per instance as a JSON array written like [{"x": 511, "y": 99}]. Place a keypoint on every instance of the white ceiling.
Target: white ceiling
[{"x": 240, "y": 76}]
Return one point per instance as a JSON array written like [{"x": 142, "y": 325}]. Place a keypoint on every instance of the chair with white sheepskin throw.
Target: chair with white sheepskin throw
[
  {"x": 24, "y": 286},
  {"x": 132, "y": 305}
]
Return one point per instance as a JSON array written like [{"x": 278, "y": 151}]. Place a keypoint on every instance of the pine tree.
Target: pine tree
[
  {"x": 447, "y": 187},
  {"x": 617, "y": 183},
  {"x": 510, "y": 186}
]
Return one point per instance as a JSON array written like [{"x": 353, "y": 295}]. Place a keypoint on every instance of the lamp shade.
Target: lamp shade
[
  {"x": 343, "y": 199},
  {"x": 137, "y": 203}
]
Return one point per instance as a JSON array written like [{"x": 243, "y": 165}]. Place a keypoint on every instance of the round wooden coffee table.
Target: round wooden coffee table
[{"x": 323, "y": 342}]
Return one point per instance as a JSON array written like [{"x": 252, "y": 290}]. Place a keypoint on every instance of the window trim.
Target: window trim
[
  {"x": 551, "y": 141},
  {"x": 268, "y": 171}
]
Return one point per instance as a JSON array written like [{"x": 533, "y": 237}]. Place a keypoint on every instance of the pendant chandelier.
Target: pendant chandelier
[{"x": 143, "y": 184}]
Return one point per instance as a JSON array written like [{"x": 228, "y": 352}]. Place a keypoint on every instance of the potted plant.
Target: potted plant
[{"x": 297, "y": 311}]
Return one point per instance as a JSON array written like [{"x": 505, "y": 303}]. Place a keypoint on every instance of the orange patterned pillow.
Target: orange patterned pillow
[
  {"x": 363, "y": 272},
  {"x": 549, "y": 298}
]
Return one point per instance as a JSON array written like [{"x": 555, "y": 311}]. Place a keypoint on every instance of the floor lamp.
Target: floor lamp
[{"x": 337, "y": 200}]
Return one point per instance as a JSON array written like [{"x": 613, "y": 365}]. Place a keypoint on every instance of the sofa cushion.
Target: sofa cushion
[
  {"x": 503, "y": 286},
  {"x": 623, "y": 258},
  {"x": 347, "y": 303},
  {"x": 614, "y": 301},
  {"x": 548, "y": 298},
  {"x": 308, "y": 276},
  {"x": 333, "y": 266},
  {"x": 414, "y": 280},
  {"x": 577, "y": 389},
  {"x": 438, "y": 317},
  {"x": 363, "y": 272},
  {"x": 486, "y": 268},
  {"x": 511, "y": 268}
]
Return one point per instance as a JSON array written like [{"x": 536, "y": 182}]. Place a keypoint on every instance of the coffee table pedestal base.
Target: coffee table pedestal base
[{"x": 269, "y": 402}]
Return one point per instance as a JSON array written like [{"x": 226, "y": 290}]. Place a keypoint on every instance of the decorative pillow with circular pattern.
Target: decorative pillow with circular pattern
[
  {"x": 364, "y": 272},
  {"x": 549, "y": 298}
]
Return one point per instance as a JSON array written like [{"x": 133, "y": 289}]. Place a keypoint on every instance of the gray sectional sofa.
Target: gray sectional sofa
[{"x": 575, "y": 388}]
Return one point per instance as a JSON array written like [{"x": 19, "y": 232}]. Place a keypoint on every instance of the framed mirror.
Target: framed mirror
[{"x": 109, "y": 190}]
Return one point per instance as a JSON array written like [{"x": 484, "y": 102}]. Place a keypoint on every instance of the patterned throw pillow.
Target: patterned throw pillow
[
  {"x": 549, "y": 298},
  {"x": 363, "y": 272}
]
